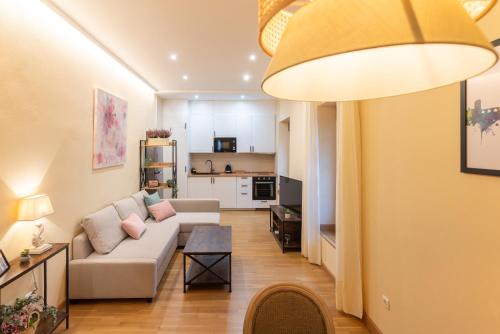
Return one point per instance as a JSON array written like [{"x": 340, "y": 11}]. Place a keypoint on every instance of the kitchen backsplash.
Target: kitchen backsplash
[{"x": 239, "y": 162}]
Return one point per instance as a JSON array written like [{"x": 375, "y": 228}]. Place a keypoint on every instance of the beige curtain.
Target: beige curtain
[
  {"x": 311, "y": 237},
  {"x": 349, "y": 291}
]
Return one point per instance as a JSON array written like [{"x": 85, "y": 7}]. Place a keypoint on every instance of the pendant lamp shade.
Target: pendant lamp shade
[{"x": 340, "y": 50}]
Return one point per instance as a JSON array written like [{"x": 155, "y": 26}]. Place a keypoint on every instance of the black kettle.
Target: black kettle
[{"x": 228, "y": 169}]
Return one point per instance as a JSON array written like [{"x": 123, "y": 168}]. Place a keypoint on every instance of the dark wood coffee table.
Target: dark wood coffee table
[{"x": 209, "y": 248}]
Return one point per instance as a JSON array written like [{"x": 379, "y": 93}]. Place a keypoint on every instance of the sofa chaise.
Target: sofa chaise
[{"x": 131, "y": 268}]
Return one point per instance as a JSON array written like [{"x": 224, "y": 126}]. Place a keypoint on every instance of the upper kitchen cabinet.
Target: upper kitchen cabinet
[
  {"x": 244, "y": 140},
  {"x": 201, "y": 127},
  {"x": 225, "y": 119},
  {"x": 263, "y": 131},
  {"x": 251, "y": 122}
]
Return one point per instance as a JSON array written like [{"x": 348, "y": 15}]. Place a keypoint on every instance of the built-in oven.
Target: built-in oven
[
  {"x": 264, "y": 188},
  {"x": 224, "y": 144}
]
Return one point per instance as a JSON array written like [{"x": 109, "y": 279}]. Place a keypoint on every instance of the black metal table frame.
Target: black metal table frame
[
  {"x": 44, "y": 262},
  {"x": 206, "y": 268}
]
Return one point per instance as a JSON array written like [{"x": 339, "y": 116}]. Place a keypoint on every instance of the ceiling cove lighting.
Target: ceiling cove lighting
[
  {"x": 275, "y": 14},
  {"x": 357, "y": 49}
]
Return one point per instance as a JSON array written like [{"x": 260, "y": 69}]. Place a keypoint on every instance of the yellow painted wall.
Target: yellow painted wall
[
  {"x": 48, "y": 72},
  {"x": 431, "y": 235}
]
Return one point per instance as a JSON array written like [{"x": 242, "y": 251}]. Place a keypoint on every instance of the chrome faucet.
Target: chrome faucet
[{"x": 212, "y": 170}]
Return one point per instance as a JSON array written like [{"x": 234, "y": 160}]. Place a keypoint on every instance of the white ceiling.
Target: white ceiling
[{"x": 212, "y": 39}]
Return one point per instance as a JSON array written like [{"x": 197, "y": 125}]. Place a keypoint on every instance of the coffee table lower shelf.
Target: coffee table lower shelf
[{"x": 207, "y": 270}]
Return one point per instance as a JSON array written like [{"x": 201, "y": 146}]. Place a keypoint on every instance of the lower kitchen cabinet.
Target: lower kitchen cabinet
[
  {"x": 200, "y": 187},
  {"x": 244, "y": 193},
  {"x": 224, "y": 188},
  {"x": 233, "y": 192},
  {"x": 263, "y": 204}
]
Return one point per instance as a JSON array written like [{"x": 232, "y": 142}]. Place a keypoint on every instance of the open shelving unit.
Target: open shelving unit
[
  {"x": 148, "y": 169},
  {"x": 286, "y": 231}
]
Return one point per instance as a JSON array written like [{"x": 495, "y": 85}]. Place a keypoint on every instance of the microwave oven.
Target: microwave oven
[{"x": 224, "y": 144}]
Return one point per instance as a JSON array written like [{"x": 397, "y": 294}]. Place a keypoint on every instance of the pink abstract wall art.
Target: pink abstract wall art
[{"x": 110, "y": 130}]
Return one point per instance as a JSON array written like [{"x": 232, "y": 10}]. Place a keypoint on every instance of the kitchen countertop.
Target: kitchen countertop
[{"x": 237, "y": 173}]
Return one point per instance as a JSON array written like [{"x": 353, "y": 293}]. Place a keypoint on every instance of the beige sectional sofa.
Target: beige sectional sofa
[{"x": 108, "y": 264}]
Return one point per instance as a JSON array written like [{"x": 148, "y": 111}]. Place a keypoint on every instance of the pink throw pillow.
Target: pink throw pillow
[
  {"x": 134, "y": 226},
  {"x": 162, "y": 210}
]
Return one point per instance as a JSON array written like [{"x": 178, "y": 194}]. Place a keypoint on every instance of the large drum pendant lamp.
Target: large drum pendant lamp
[{"x": 338, "y": 50}]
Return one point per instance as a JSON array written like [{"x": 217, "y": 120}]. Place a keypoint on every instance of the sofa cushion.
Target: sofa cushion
[
  {"x": 162, "y": 210},
  {"x": 152, "y": 199},
  {"x": 104, "y": 229},
  {"x": 134, "y": 226},
  {"x": 154, "y": 244},
  {"x": 188, "y": 220},
  {"x": 125, "y": 207},
  {"x": 139, "y": 200}
]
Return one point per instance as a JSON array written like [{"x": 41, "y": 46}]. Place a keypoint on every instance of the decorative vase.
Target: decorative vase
[
  {"x": 33, "y": 328},
  {"x": 24, "y": 259}
]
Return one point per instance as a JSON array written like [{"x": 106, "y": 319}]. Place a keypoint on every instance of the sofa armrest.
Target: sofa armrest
[
  {"x": 112, "y": 278},
  {"x": 81, "y": 246},
  {"x": 195, "y": 205}
]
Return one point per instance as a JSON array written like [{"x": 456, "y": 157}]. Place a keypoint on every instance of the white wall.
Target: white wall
[
  {"x": 174, "y": 115},
  {"x": 327, "y": 130},
  {"x": 297, "y": 112},
  {"x": 49, "y": 72},
  {"x": 283, "y": 147}
]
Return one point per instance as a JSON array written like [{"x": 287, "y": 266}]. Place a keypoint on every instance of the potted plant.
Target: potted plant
[
  {"x": 25, "y": 256},
  {"x": 23, "y": 317},
  {"x": 288, "y": 213},
  {"x": 158, "y": 136}
]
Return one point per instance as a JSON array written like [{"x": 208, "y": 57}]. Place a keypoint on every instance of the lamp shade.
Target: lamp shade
[
  {"x": 275, "y": 14},
  {"x": 361, "y": 49},
  {"x": 34, "y": 207}
]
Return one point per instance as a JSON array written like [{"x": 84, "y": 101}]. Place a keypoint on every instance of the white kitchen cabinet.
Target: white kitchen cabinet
[
  {"x": 225, "y": 120},
  {"x": 200, "y": 187},
  {"x": 201, "y": 127},
  {"x": 244, "y": 193},
  {"x": 263, "y": 204},
  {"x": 224, "y": 189},
  {"x": 263, "y": 132},
  {"x": 244, "y": 140}
]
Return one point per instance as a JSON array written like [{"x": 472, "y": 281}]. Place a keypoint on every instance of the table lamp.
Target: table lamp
[{"x": 33, "y": 208}]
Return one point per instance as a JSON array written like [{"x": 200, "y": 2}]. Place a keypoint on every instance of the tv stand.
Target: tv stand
[{"x": 286, "y": 231}]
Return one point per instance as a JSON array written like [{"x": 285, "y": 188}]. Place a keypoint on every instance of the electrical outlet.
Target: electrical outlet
[{"x": 387, "y": 302}]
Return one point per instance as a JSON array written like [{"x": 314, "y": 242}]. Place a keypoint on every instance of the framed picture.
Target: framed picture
[
  {"x": 110, "y": 130},
  {"x": 4, "y": 264},
  {"x": 480, "y": 122}
]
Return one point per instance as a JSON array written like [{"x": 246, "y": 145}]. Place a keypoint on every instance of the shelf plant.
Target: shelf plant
[{"x": 158, "y": 136}]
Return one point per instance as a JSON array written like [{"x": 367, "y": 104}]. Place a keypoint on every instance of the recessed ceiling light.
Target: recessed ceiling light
[
  {"x": 242, "y": 97},
  {"x": 185, "y": 77},
  {"x": 197, "y": 97},
  {"x": 173, "y": 57},
  {"x": 252, "y": 57},
  {"x": 246, "y": 77}
]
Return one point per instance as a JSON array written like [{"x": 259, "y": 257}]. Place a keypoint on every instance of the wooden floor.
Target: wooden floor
[{"x": 257, "y": 262}]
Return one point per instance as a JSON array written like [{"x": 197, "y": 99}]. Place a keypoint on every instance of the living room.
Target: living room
[{"x": 170, "y": 166}]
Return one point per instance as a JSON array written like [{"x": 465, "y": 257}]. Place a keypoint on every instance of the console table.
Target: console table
[
  {"x": 286, "y": 231},
  {"x": 18, "y": 270}
]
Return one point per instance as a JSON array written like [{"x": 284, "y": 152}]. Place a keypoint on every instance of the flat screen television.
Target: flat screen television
[{"x": 291, "y": 194}]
